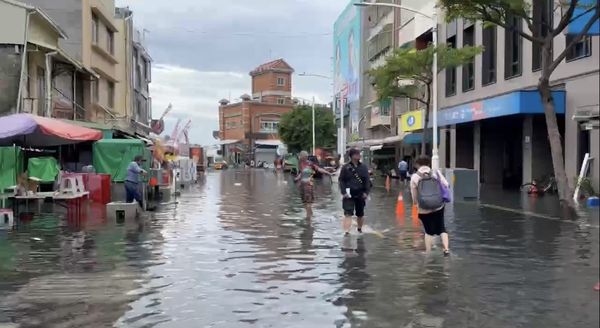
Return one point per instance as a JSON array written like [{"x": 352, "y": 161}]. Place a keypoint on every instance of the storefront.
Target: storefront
[{"x": 503, "y": 137}]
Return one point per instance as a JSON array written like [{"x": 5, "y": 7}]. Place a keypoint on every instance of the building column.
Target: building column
[
  {"x": 442, "y": 148},
  {"x": 453, "y": 147},
  {"x": 477, "y": 148},
  {"x": 527, "y": 149}
]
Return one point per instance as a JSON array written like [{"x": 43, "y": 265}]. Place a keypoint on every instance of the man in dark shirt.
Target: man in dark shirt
[{"x": 355, "y": 186}]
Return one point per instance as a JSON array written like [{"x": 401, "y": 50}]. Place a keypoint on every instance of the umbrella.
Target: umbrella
[{"x": 37, "y": 131}]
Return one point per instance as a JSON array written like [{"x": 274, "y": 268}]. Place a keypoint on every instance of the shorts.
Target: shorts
[
  {"x": 403, "y": 175},
  {"x": 433, "y": 222},
  {"x": 354, "y": 206},
  {"x": 307, "y": 193}
]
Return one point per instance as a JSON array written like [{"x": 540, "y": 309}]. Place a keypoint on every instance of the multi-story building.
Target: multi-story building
[
  {"x": 248, "y": 129},
  {"x": 491, "y": 113},
  {"x": 135, "y": 73},
  {"x": 37, "y": 75},
  {"x": 102, "y": 39}
]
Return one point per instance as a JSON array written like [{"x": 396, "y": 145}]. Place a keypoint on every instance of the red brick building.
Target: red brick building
[{"x": 248, "y": 129}]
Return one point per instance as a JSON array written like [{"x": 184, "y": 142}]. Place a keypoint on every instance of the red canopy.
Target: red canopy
[{"x": 33, "y": 130}]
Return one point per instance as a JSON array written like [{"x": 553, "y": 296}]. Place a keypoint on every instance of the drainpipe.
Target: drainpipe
[
  {"x": 128, "y": 67},
  {"x": 48, "y": 107},
  {"x": 23, "y": 63}
]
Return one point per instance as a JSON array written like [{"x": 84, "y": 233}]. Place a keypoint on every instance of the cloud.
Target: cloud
[{"x": 204, "y": 49}]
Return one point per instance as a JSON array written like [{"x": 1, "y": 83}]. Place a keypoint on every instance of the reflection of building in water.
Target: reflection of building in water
[{"x": 88, "y": 271}]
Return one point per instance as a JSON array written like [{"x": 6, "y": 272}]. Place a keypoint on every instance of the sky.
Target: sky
[{"x": 203, "y": 50}]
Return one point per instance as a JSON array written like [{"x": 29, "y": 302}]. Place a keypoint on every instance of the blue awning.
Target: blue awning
[
  {"x": 416, "y": 137},
  {"x": 518, "y": 102}
]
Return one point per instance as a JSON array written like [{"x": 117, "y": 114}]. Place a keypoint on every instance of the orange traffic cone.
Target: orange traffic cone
[
  {"x": 415, "y": 212},
  {"x": 387, "y": 183},
  {"x": 400, "y": 204}
]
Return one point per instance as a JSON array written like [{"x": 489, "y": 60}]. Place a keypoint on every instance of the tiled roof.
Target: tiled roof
[{"x": 278, "y": 64}]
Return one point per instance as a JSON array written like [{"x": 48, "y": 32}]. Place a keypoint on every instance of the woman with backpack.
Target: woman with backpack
[{"x": 427, "y": 190}]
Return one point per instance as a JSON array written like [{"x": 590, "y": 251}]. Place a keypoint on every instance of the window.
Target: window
[
  {"x": 269, "y": 126},
  {"x": 147, "y": 70},
  {"x": 110, "y": 41},
  {"x": 95, "y": 29},
  {"x": 542, "y": 21},
  {"x": 280, "y": 81},
  {"x": 95, "y": 91},
  {"x": 110, "y": 90},
  {"x": 581, "y": 49},
  {"x": 281, "y": 101},
  {"x": 468, "y": 70},
  {"x": 513, "y": 48},
  {"x": 451, "y": 72},
  {"x": 488, "y": 63}
]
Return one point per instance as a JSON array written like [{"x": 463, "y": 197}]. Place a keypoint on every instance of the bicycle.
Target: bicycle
[{"x": 548, "y": 185}]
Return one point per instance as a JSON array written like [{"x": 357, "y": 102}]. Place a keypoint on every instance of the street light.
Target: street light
[
  {"x": 435, "y": 159},
  {"x": 314, "y": 143}
]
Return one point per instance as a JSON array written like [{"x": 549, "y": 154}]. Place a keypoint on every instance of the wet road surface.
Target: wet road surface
[{"x": 235, "y": 251}]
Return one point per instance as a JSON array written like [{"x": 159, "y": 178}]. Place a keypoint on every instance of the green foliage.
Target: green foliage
[
  {"x": 485, "y": 10},
  {"x": 295, "y": 128},
  {"x": 417, "y": 66},
  {"x": 586, "y": 187}
]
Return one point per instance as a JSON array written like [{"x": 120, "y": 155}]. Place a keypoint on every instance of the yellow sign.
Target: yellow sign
[{"x": 411, "y": 121}]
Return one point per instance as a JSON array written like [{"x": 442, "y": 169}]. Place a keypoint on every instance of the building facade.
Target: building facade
[
  {"x": 480, "y": 103},
  {"x": 248, "y": 129},
  {"x": 133, "y": 93},
  {"x": 38, "y": 76},
  {"x": 103, "y": 41}
]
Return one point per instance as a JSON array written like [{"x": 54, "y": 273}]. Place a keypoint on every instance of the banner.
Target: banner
[{"x": 346, "y": 39}]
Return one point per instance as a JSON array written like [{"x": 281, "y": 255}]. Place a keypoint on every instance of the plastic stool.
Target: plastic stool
[
  {"x": 6, "y": 218},
  {"x": 72, "y": 183}
]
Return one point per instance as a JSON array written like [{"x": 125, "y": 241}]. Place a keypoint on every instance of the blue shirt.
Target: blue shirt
[
  {"x": 403, "y": 166},
  {"x": 133, "y": 172}
]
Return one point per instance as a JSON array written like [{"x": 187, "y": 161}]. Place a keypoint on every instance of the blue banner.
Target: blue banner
[{"x": 519, "y": 102}]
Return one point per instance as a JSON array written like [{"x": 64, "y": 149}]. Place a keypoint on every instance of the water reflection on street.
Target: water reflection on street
[{"x": 235, "y": 251}]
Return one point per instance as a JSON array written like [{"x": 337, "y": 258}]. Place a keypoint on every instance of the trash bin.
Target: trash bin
[{"x": 464, "y": 184}]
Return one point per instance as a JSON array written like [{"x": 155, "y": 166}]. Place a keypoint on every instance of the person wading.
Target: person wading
[
  {"x": 132, "y": 190},
  {"x": 426, "y": 190},
  {"x": 355, "y": 186},
  {"x": 306, "y": 171},
  {"x": 403, "y": 171}
]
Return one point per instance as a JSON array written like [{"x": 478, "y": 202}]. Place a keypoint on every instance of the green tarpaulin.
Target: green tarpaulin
[
  {"x": 11, "y": 165},
  {"x": 112, "y": 156},
  {"x": 43, "y": 168}
]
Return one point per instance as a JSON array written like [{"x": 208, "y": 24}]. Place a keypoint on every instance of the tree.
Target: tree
[
  {"x": 408, "y": 73},
  {"x": 502, "y": 13},
  {"x": 295, "y": 128}
]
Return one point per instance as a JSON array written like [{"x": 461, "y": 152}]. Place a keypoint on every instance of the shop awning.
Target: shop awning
[
  {"x": 228, "y": 142},
  {"x": 33, "y": 130}
]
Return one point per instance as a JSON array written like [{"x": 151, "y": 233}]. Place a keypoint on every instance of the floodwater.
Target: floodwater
[{"x": 235, "y": 251}]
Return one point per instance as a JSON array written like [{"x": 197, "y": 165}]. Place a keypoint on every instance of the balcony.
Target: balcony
[{"x": 381, "y": 113}]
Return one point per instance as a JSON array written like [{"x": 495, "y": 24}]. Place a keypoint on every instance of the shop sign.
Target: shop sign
[
  {"x": 518, "y": 102},
  {"x": 411, "y": 121}
]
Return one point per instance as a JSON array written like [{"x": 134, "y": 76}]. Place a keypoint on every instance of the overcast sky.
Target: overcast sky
[{"x": 204, "y": 49}]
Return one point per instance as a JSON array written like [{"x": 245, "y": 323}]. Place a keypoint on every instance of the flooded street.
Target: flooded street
[{"x": 236, "y": 251}]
